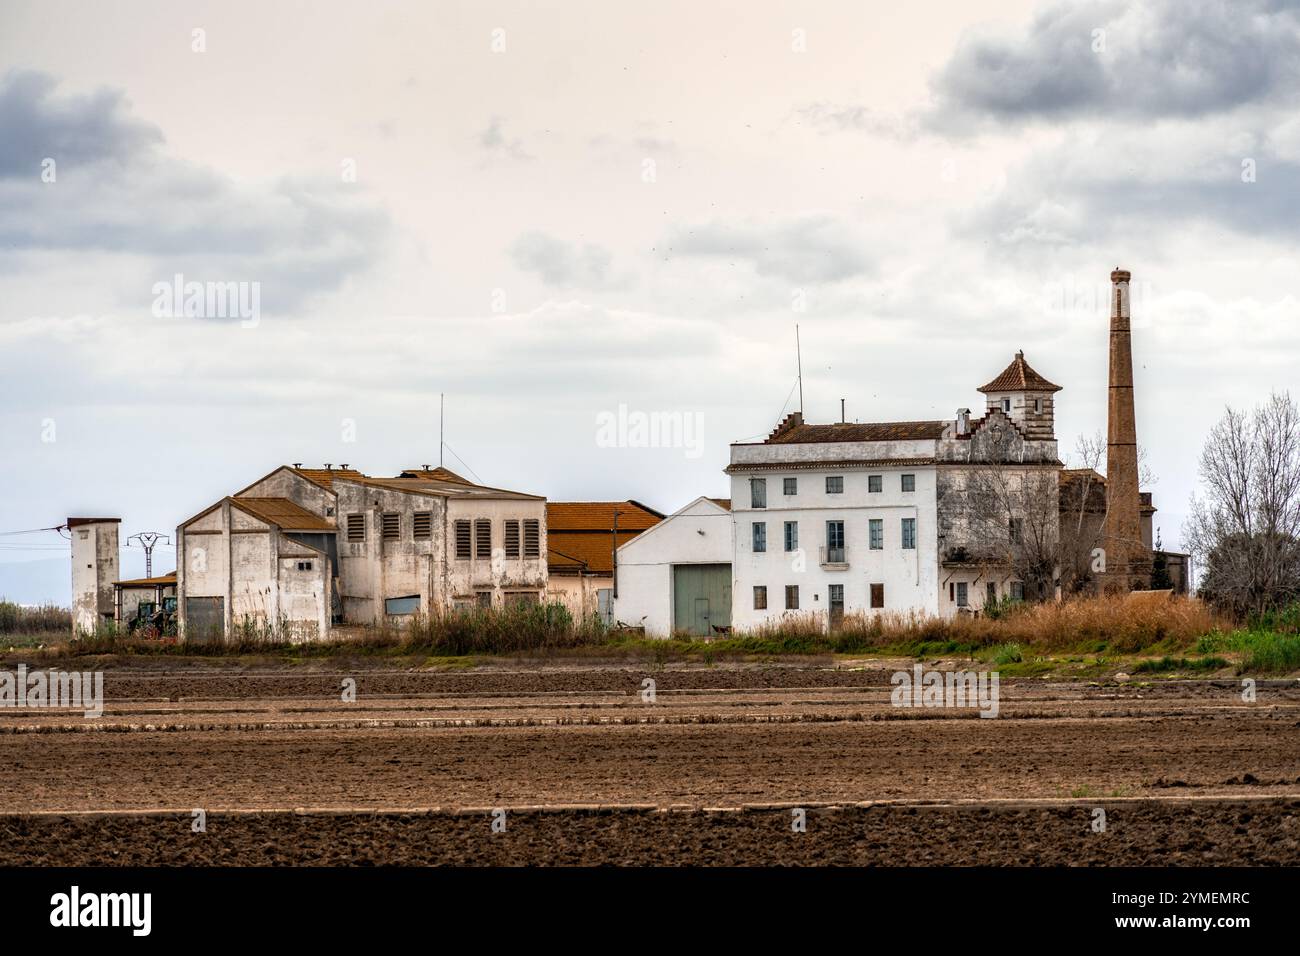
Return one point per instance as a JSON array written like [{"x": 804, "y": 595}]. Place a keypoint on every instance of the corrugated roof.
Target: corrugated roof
[
  {"x": 444, "y": 488},
  {"x": 325, "y": 476},
  {"x": 284, "y": 514},
  {"x": 599, "y": 516},
  {"x": 160, "y": 581},
  {"x": 1019, "y": 377},
  {"x": 440, "y": 473}
]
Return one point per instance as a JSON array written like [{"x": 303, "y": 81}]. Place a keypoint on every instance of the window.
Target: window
[
  {"x": 1038, "y": 406},
  {"x": 877, "y": 595},
  {"x": 482, "y": 538},
  {"x": 835, "y": 486},
  {"x": 790, "y": 486},
  {"x": 792, "y": 597},
  {"x": 402, "y": 605},
  {"x": 909, "y": 533},
  {"x": 1015, "y": 530},
  {"x": 512, "y": 539},
  {"x": 390, "y": 525},
  {"x": 532, "y": 538},
  {"x": 835, "y": 542},
  {"x": 1017, "y": 590},
  {"x": 329, "y": 512},
  {"x": 759, "y": 532},
  {"x": 304, "y": 565},
  {"x": 991, "y": 593},
  {"x": 875, "y": 483},
  {"x": 877, "y": 528},
  {"x": 484, "y": 598},
  {"x": 758, "y": 492},
  {"x": 760, "y": 597},
  {"x": 521, "y": 598},
  {"x": 462, "y": 539},
  {"x": 422, "y": 524},
  {"x": 962, "y": 599},
  {"x": 792, "y": 536},
  {"x": 909, "y": 482},
  {"x": 1006, "y": 405},
  {"x": 356, "y": 527}
]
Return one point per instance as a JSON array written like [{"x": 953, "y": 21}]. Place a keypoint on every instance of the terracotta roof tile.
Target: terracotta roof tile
[
  {"x": 586, "y": 550},
  {"x": 161, "y": 580},
  {"x": 798, "y": 432},
  {"x": 599, "y": 516},
  {"x": 325, "y": 476},
  {"x": 1019, "y": 377}
]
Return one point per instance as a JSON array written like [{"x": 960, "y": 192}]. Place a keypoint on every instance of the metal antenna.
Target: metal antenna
[
  {"x": 442, "y": 404},
  {"x": 799, "y": 358},
  {"x": 147, "y": 540}
]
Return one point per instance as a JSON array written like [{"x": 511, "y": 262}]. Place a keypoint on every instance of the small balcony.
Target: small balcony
[{"x": 833, "y": 559}]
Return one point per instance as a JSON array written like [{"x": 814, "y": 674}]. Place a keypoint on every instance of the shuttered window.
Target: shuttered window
[
  {"x": 483, "y": 538},
  {"x": 512, "y": 539},
  {"x": 877, "y": 595},
  {"x": 422, "y": 526},
  {"x": 760, "y": 597},
  {"x": 792, "y": 597},
  {"x": 392, "y": 525},
  {"x": 532, "y": 538},
  {"x": 356, "y": 527},
  {"x": 462, "y": 540}
]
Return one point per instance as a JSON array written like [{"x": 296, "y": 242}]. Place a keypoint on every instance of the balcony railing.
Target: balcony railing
[{"x": 833, "y": 559}]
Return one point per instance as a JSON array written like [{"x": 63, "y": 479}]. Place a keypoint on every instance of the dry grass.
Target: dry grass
[{"x": 1116, "y": 624}]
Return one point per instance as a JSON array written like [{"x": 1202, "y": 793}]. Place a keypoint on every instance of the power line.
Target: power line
[{"x": 463, "y": 462}]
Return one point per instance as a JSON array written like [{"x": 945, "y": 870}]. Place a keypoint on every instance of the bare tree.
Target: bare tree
[{"x": 1246, "y": 528}]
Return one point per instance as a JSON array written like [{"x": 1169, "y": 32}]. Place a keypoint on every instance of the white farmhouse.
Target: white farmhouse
[{"x": 936, "y": 517}]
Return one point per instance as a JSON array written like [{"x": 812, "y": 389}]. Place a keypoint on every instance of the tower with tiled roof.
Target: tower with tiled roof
[{"x": 1025, "y": 397}]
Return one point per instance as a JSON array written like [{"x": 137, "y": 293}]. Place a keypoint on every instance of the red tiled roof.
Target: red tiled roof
[
  {"x": 1019, "y": 377},
  {"x": 599, "y": 516},
  {"x": 584, "y": 549},
  {"x": 795, "y": 431}
]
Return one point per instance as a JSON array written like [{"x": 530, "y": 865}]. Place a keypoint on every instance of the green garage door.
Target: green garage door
[{"x": 701, "y": 597}]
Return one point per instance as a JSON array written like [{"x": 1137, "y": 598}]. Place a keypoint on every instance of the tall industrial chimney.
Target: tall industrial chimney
[{"x": 1122, "y": 537}]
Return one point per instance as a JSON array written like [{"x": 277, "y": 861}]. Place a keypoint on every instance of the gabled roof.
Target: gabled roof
[
  {"x": 724, "y": 503},
  {"x": 284, "y": 514},
  {"x": 1019, "y": 377},
  {"x": 717, "y": 503}
]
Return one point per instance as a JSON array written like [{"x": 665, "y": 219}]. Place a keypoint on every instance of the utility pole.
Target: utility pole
[
  {"x": 613, "y": 555},
  {"x": 147, "y": 541},
  {"x": 442, "y": 406}
]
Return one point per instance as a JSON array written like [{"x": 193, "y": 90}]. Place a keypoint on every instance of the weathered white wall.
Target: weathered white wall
[
  {"x": 909, "y": 575},
  {"x": 700, "y": 533}
]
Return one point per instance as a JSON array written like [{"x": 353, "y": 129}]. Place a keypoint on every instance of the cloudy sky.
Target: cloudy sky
[{"x": 550, "y": 211}]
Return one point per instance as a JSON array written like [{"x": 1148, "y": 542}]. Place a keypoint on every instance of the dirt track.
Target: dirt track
[{"x": 713, "y": 737}]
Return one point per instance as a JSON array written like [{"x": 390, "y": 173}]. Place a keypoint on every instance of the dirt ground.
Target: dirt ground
[{"x": 1187, "y": 771}]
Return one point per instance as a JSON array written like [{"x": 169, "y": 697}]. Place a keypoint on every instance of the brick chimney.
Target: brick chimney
[{"x": 1126, "y": 559}]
